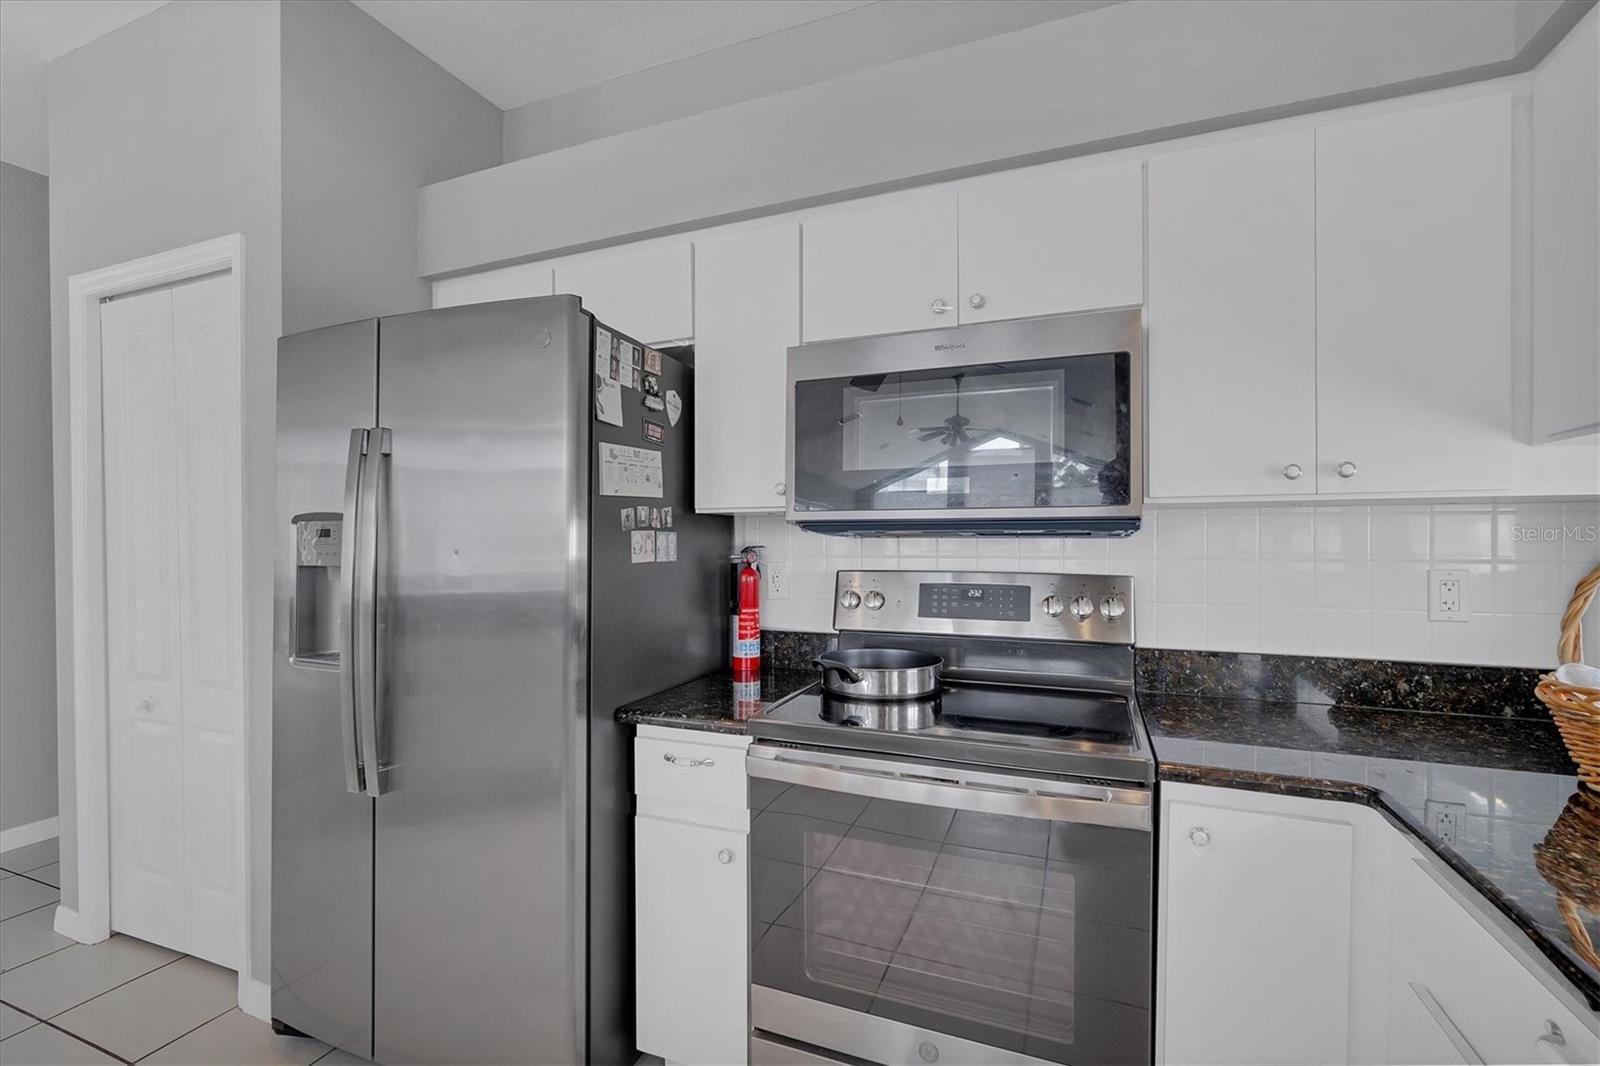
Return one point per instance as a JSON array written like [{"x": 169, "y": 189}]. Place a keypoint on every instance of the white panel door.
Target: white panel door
[
  {"x": 1068, "y": 241},
  {"x": 647, "y": 293},
  {"x": 692, "y": 941},
  {"x": 175, "y": 642},
  {"x": 1232, "y": 318},
  {"x": 211, "y": 616},
  {"x": 507, "y": 283},
  {"x": 1414, "y": 300},
  {"x": 747, "y": 316},
  {"x": 886, "y": 268},
  {"x": 143, "y": 427},
  {"x": 1255, "y": 966}
]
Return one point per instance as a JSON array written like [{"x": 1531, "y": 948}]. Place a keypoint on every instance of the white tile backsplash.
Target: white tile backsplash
[{"x": 1280, "y": 578}]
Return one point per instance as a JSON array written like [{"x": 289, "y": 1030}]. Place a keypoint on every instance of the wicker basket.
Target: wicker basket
[
  {"x": 1566, "y": 860},
  {"x": 1576, "y": 709}
]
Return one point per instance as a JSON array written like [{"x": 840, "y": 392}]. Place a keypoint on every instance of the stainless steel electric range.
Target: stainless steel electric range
[{"x": 970, "y": 885}]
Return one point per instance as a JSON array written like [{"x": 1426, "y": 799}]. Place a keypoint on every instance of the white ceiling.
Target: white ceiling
[
  {"x": 32, "y": 33},
  {"x": 515, "y": 51}
]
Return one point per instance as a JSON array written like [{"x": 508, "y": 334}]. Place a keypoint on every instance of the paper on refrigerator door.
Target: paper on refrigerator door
[
  {"x": 607, "y": 391},
  {"x": 626, "y": 471}
]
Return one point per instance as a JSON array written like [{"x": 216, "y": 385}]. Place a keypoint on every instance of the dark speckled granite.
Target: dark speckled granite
[
  {"x": 1481, "y": 690},
  {"x": 792, "y": 649},
  {"x": 1511, "y": 775},
  {"x": 714, "y": 702}
]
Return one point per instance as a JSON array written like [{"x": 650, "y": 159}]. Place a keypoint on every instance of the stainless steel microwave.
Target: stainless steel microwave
[{"x": 1003, "y": 428}]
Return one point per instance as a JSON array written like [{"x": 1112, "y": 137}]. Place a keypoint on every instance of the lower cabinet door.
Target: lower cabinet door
[
  {"x": 1255, "y": 966},
  {"x": 693, "y": 973}
]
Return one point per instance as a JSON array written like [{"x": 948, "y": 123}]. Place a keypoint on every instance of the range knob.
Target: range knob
[
  {"x": 1113, "y": 607},
  {"x": 850, "y": 600},
  {"x": 874, "y": 600},
  {"x": 1081, "y": 607},
  {"x": 1052, "y": 606}
]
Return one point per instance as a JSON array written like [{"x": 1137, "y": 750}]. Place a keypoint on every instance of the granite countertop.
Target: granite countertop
[
  {"x": 1506, "y": 767},
  {"x": 1512, "y": 776},
  {"x": 716, "y": 702}
]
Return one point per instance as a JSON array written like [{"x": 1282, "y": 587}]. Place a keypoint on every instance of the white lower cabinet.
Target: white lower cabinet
[
  {"x": 1459, "y": 992},
  {"x": 691, "y": 897},
  {"x": 1294, "y": 930}
]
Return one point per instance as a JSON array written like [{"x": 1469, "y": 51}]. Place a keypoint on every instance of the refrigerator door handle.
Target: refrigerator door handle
[
  {"x": 370, "y": 545},
  {"x": 348, "y": 590}
]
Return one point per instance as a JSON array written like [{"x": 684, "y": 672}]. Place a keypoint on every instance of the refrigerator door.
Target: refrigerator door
[
  {"x": 479, "y": 859},
  {"x": 321, "y": 826}
]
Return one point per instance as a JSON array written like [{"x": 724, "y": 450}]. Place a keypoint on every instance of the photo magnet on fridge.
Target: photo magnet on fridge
[
  {"x": 627, "y": 518},
  {"x": 666, "y": 518},
  {"x": 655, "y": 518},
  {"x": 654, "y": 403},
  {"x": 642, "y": 546},
  {"x": 654, "y": 432},
  {"x": 652, "y": 385},
  {"x": 652, "y": 361}
]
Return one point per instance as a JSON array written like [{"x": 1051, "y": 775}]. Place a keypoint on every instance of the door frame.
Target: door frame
[{"x": 91, "y": 922}]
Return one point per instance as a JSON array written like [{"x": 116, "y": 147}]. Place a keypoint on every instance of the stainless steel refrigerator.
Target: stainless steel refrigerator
[{"x": 463, "y": 599}]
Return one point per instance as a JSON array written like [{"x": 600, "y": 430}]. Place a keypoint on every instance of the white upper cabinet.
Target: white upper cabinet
[
  {"x": 1566, "y": 238},
  {"x": 1067, "y": 241},
  {"x": 747, "y": 316},
  {"x": 1232, "y": 319},
  {"x": 886, "y": 268},
  {"x": 647, "y": 293},
  {"x": 506, "y": 283},
  {"x": 1414, "y": 261}
]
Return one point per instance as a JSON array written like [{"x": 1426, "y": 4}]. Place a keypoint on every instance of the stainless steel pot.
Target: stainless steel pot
[
  {"x": 890, "y": 716},
  {"x": 879, "y": 673}
]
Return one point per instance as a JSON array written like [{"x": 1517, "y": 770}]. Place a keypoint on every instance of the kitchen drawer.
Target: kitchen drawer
[
  {"x": 693, "y": 769},
  {"x": 1454, "y": 982}
]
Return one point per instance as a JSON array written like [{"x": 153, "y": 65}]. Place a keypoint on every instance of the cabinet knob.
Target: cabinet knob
[
  {"x": 939, "y": 307},
  {"x": 1293, "y": 471},
  {"x": 1551, "y": 1046},
  {"x": 725, "y": 856},
  {"x": 1346, "y": 469},
  {"x": 1199, "y": 837},
  {"x": 977, "y": 299},
  {"x": 781, "y": 489}
]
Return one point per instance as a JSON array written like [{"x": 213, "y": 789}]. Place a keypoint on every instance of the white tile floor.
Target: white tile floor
[{"x": 119, "y": 1001}]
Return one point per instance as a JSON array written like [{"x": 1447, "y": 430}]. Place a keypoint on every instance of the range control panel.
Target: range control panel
[{"x": 1096, "y": 608}]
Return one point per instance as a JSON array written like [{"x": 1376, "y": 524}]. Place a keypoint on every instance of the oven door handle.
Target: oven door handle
[{"x": 962, "y": 790}]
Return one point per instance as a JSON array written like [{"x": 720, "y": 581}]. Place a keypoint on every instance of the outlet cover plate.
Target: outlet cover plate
[{"x": 1448, "y": 599}]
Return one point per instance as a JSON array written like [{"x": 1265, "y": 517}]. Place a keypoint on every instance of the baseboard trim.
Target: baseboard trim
[
  {"x": 20, "y": 836},
  {"x": 68, "y": 923},
  {"x": 255, "y": 998}
]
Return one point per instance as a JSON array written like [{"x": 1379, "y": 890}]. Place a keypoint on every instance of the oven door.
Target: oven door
[
  {"x": 1013, "y": 424},
  {"x": 912, "y": 912}
]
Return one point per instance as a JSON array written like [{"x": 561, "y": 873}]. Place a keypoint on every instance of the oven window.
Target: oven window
[
  {"x": 1034, "y": 433},
  {"x": 1028, "y": 935}
]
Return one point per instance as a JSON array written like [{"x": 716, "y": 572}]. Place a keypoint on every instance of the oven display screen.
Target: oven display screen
[{"x": 993, "y": 603}]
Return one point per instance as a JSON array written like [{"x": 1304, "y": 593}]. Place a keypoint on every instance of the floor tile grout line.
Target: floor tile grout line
[
  {"x": 46, "y": 955},
  {"x": 36, "y": 881},
  {"x": 30, "y": 910},
  {"x": 46, "y": 1022},
  {"x": 180, "y": 1036},
  {"x": 113, "y": 988}
]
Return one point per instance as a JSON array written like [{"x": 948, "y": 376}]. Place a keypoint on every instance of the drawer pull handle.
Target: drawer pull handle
[
  {"x": 688, "y": 762},
  {"x": 1446, "y": 1025},
  {"x": 1551, "y": 1045}
]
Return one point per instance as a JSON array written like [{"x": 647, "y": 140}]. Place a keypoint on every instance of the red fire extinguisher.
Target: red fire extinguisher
[{"x": 747, "y": 617}]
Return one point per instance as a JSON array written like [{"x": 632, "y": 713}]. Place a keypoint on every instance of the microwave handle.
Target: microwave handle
[{"x": 1055, "y": 801}]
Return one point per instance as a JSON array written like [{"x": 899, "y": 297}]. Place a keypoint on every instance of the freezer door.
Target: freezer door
[
  {"x": 321, "y": 827},
  {"x": 479, "y": 861}
]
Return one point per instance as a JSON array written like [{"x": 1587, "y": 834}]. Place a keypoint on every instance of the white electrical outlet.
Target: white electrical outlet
[
  {"x": 1447, "y": 596},
  {"x": 777, "y": 581},
  {"x": 1444, "y": 819}
]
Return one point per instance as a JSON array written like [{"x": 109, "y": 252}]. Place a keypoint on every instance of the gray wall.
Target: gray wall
[
  {"x": 811, "y": 52},
  {"x": 27, "y": 579},
  {"x": 1129, "y": 73},
  {"x": 367, "y": 120},
  {"x": 164, "y": 133}
]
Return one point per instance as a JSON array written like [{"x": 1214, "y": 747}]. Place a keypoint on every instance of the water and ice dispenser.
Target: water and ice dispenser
[{"x": 314, "y": 623}]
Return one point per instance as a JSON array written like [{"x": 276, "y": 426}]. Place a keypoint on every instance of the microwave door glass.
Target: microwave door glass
[{"x": 998, "y": 436}]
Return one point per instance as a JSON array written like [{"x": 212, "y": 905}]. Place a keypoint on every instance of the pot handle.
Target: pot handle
[{"x": 836, "y": 667}]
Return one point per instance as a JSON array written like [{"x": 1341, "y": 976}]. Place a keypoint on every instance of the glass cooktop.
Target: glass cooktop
[{"x": 1059, "y": 730}]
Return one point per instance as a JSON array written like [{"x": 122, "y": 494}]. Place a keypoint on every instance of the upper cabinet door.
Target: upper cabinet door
[
  {"x": 887, "y": 268},
  {"x": 646, "y": 293},
  {"x": 1232, "y": 319},
  {"x": 747, "y": 316},
  {"x": 506, "y": 283},
  {"x": 1071, "y": 241},
  {"x": 1414, "y": 300}
]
